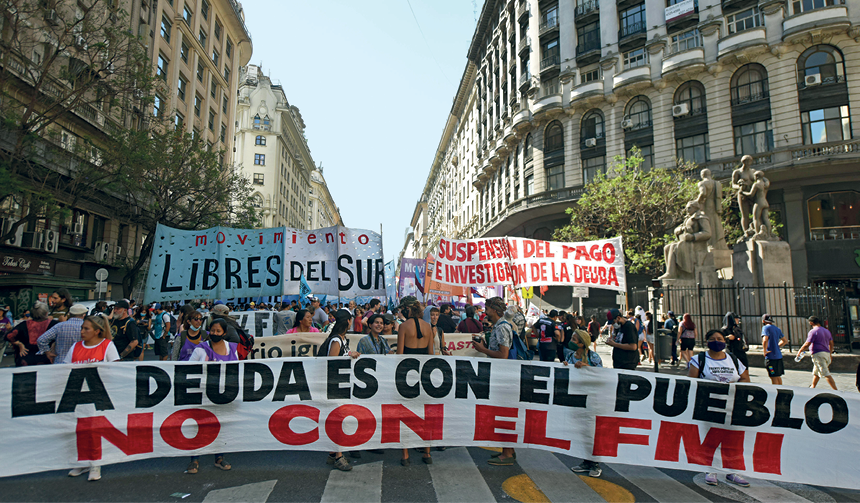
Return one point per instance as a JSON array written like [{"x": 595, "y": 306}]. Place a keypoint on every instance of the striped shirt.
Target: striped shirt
[{"x": 66, "y": 334}]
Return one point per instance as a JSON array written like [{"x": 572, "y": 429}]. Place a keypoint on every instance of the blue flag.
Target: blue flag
[{"x": 304, "y": 290}]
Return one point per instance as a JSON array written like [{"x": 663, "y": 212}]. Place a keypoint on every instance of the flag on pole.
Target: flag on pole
[
  {"x": 543, "y": 290},
  {"x": 419, "y": 280},
  {"x": 304, "y": 290}
]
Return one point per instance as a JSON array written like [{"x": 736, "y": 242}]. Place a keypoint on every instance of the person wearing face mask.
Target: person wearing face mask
[
  {"x": 735, "y": 338},
  {"x": 717, "y": 365},
  {"x": 216, "y": 349},
  {"x": 624, "y": 341},
  {"x": 189, "y": 339}
]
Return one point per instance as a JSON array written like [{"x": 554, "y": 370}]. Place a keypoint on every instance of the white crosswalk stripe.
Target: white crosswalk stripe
[
  {"x": 763, "y": 491},
  {"x": 362, "y": 484},
  {"x": 553, "y": 477},
  {"x": 456, "y": 478},
  {"x": 658, "y": 485},
  {"x": 257, "y": 492}
]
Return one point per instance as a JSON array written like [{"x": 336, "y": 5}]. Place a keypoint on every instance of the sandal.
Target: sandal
[
  {"x": 428, "y": 460},
  {"x": 501, "y": 462},
  {"x": 193, "y": 466},
  {"x": 220, "y": 463},
  {"x": 404, "y": 461}
]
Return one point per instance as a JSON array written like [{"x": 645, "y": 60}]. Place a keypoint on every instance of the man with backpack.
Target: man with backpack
[
  {"x": 549, "y": 334},
  {"x": 126, "y": 336},
  {"x": 162, "y": 326}
]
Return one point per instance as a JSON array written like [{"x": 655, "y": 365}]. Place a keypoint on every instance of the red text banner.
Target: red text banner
[
  {"x": 525, "y": 262},
  {"x": 75, "y": 415}
]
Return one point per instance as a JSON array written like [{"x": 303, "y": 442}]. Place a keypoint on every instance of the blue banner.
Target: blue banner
[{"x": 219, "y": 262}]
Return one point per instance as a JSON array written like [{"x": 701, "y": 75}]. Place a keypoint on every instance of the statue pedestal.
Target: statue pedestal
[
  {"x": 762, "y": 263},
  {"x": 722, "y": 258}
]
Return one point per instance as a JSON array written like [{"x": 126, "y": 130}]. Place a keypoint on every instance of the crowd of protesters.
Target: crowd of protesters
[{"x": 61, "y": 331}]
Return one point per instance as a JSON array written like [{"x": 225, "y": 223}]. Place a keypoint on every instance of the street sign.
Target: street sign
[
  {"x": 621, "y": 299},
  {"x": 580, "y": 291},
  {"x": 101, "y": 286},
  {"x": 102, "y": 274}
]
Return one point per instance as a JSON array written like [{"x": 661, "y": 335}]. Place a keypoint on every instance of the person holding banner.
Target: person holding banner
[
  {"x": 190, "y": 338},
  {"x": 336, "y": 344},
  {"x": 304, "y": 323},
  {"x": 374, "y": 343},
  {"x": 580, "y": 356},
  {"x": 716, "y": 365},
  {"x": 414, "y": 339},
  {"x": 95, "y": 346}
]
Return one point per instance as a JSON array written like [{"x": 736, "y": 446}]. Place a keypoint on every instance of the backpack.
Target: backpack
[
  {"x": 246, "y": 343},
  {"x": 701, "y": 358}
]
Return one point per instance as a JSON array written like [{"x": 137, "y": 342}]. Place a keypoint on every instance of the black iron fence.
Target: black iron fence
[{"x": 790, "y": 306}]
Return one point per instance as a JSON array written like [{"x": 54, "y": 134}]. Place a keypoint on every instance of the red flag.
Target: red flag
[{"x": 543, "y": 289}]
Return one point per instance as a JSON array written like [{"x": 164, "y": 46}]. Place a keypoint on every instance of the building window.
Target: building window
[
  {"x": 183, "y": 52},
  {"x": 157, "y": 106},
  {"x": 200, "y": 71},
  {"x": 227, "y": 74},
  {"x": 692, "y": 94},
  {"x": 593, "y": 167},
  {"x": 753, "y": 138},
  {"x": 823, "y": 61},
  {"x": 685, "y": 41},
  {"x": 554, "y": 138},
  {"x": 218, "y": 30},
  {"x": 834, "y": 215},
  {"x": 213, "y": 89},
  {"x": 825, "y": 125},
  {"x": 592, "y": 127},
  {"x": 165, "y": 28},
  {"x": 555, "y": 177},
  {"x": 589, "y": 74},
  {"x": 549, "y": 54},
  {"x": 162, "y": 67},
  {"x": 638, "y": 113},
  {"x": 215, "y": 57},
  {"x": 588, "y": 38},
  {"x": 799, "y": 6},
  {"x": 550, "y": 87},
  {"x": 693, "y": 148},
  {"x": 530, "y": 185},
  {"x": 647, "y": 155},
  {"x": 211, "y": 120},
  {"x": 202, "y": 38},
  {"x": 528, "y": 148},
  {"x": 258, "y": 179},
  {"x": 260, "y": 159},
  {"x": 187, "y": 14},
  {"x": 195, "y": 134},
  {"x": 744, "y": 20},
  {"x": 179, "y": 120},
  {"x": 749, "y": 84},
  {"x": 635, "y": 58},
  {"x": 183, "y": 85},
  {"x": 228, "y": 48},
  {"x": 260, "y": 140},
  {"x": 632, "y": 20},
  {"x": 198, "y": 103},
  {"x": 204, "y": 9}
]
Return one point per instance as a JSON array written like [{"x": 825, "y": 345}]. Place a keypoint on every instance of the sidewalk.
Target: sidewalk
[{"x": 796, "y": 374}]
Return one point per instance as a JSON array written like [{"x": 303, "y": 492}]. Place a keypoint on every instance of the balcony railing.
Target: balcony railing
[
  {"x": 549, "y": 61},
  {"x": 548, "y": 23},
  {"x": 524, "y": 43},
  {"x": 832, "y": 79},
  {"x": 587, "y": 46},
  {"x": 632, "y": 29},
  {"x": 525, "y": 78},
  {"x": 587, "y": 7},
  {"x": 749, "y": 93}
]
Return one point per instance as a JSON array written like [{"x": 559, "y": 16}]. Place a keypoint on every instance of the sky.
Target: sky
[{"x": 373, "y": 92}]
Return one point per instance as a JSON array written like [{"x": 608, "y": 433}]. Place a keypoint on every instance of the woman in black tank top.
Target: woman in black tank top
[{"x": 414, "y": 337}]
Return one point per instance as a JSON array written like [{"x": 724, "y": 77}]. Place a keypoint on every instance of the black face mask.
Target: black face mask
[{"x": 216, "y": 338}]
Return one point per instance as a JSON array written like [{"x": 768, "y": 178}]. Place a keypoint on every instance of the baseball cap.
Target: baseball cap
[
  {"x": 612, "y": 314},
  {"x": 252, "y": 304},
  {"x": 388, "y": 319},
  {"x": 671, "y": 313},
  {"x": 313, "y": 299},
  {"x": 122, "y": 304},
  {"x": 766, "y": 318},
  {"x": 220, "y": 309},
  {"x": 156, "y": 306},
  {"x": 219, "y": 303},
  {"x": 77, "y": 309}
]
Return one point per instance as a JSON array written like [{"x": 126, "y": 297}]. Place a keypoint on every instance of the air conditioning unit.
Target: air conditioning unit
[
  {"x": 118, "y": 251},
  {"x": 51, "y": 17},
  {"x": 102, "y": 251},
  {"x": 18, "y": 237},
  {"x": 50, "y": 241},
  {"x": 626, "y": 124},
  {"x": 813, "y": 80},
  {"x": 680, "y": 110},
  {"x": 591, "y": 142}
]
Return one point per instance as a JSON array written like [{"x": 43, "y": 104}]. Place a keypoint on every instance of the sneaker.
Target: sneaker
[
  {"x": 330, "y": 460},
  {"x": 74, "y": 472},
  {"x": 342, "y": 464},
  {"x": 95, "y": 473},
  {"x": 737, "y": 480},
  {"x": 595, "y": 471},
  {"x": 583, "y": 467},
  {"x": 711, "y": 479}
]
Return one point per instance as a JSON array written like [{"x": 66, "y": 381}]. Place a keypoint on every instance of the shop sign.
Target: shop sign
[
  {"x": 13, "y": 262},
  {"x": 680, "y": 9}
]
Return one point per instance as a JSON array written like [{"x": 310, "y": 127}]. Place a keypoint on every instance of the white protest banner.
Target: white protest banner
[
  {"x": 335, "y": 261},
  {"x": 74, "y": 415},
  {"x": 525, "y": 262},
  {"x": 306, "y": 344}
]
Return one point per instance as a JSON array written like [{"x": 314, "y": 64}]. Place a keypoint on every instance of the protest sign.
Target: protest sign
[
  {"x": 525, "y": 262},
  {"x": 219, "y": 262},
  {"x": 74, "y": 415},
  {"x": 412, "y": 277},
  {"x": 437, "y": 293},
  {"x": 306, "y": 344},
  {"x": 335, "y": 260}
]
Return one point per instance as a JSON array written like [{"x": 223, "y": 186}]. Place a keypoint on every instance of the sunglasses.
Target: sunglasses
[{"x": 197, "y": 318}]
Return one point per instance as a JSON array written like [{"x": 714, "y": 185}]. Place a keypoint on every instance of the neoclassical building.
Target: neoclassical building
[
  {"x": 272, "y": 152},
  {"x": 554, "y": 90},
  {"x": 323, "y": 212}
]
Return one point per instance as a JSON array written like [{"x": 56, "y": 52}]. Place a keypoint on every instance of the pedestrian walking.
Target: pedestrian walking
[
  {"x": 594, "y": 331},
  {"x": 624, "y": 341},
  {"x": 649, "y": 336},
  {"x": 820, "y": 341},
  {"x": 95, "y": 346},
  {"x": 190, "y": 338},
  {"x": 549, "y": 334},
  {"x": 470, "y": 324},
  {"x": 735, "y": 338},
  {"x": 62, "y": 336},
  {"x": 671, "y": 325},
  {"x": 772, "y": 341},
  {"x": 715, "y": 365},
  {"x": 127, "y": 338},
  {"x": 59, "y": 303},
  {"x": 414, "y": 337},
  {"x": 688, "y": 336},
  {"x": 25, "y": 336},
  {"x": 336, "y": 344},
  {"x": 581, "y": 356}
]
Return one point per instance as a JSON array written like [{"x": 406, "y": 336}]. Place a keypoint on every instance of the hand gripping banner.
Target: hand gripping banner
[{"x": 74, "y": 415}]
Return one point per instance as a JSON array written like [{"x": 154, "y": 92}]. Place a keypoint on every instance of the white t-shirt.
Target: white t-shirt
[{"x": 719, "y": 370}]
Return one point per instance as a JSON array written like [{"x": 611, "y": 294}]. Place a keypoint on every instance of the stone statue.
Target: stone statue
[
  {"x": 760, "y": 212},
  {"x": 742, "y": 181},
  {"x": 684, "y": 256},
  {"x": 710, "y": 199}
]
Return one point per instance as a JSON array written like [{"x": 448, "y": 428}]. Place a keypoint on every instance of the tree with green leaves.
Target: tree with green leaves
[
  {"x": 643, "y": 207},
  {"x": 167, "y": 176},
  {"x": 64, "y": 65}
]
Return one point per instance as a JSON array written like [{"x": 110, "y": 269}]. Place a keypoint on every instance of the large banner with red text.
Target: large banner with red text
[
  {"x": 75, "y": 415},
  {"x": 522, "y": 262}
]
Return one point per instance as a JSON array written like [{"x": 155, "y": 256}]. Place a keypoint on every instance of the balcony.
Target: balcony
[
  {"x": 585, "y": 10},
  {"x": 550, "y": 62},
  {"x": 588, "y": 52},
  {"x": 512, "y": 63},
  {"x": 548, "y": 24},
  {"x": 525, "y": 81},
  {"x": 631, "y": 35},
  {"x": 593, "y": 88},
  {"x": 524, "y": 45},
  {"x": 524, "y": 116},
  {"x": 641, "y": 74},
  {"x": 684, "y": 59},
  {"x": 522, "y": 10},
  {"x": 828, "y": 20},
  {"x": 547, "y": 102},
  {"x": 547, "y": 200},
  {"x": 743, "y": 41}
]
